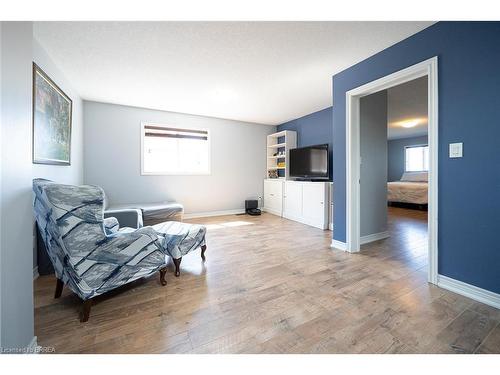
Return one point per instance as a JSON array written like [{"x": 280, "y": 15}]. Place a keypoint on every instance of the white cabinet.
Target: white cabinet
[
  {"x": 302, "y": 201},
  {"x": 315, "y": 204},
  {"x": 292, "y": 200},
  {"x": 273, "y": 196}
]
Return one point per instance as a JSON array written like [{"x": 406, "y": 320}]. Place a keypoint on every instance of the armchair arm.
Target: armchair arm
[
  {"x": 130, "y": 247},
  {"x": 111, "y": 225},
  {"x": 128, "y": 217}
]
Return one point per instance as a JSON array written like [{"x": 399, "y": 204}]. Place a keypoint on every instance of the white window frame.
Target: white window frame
[
  {"x": 152, "y": 123},
  {"x": 414, "y": 146}
]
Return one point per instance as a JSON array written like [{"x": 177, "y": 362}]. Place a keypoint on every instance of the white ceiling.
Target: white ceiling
[
  {"x": 407, "y": 102},
  {"x": 263, "y": 72}
]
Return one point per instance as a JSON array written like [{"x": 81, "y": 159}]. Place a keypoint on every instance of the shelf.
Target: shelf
[
  {"x": 278, "y": 134},
  {"x": 277, "y": 145}
]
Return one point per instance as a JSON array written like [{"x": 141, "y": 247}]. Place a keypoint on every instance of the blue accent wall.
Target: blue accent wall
[
  {"x": 313, "y": 129},
  {"x": 469, "y": 112},
  {"x": 396, "y": 155}
]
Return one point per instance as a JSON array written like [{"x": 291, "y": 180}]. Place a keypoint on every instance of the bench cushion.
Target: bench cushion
[{"x": 154, "y": 213}]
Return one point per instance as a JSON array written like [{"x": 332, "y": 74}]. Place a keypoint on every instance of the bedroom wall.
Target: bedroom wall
[
  {"x": 16, "y": 246},
  {"x": 112, "y": 159},
  {"x": 313, "y": 129},
  {"x": 373, "y": 173},
  {"x": 469, "y": 104},
  {"x": 396, "y": 155}
]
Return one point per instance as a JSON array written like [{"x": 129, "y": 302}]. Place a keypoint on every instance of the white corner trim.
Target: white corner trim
[
  {"x": 213, "y": 213},
  {"x": 330, "y": 226},
  {"x": 35, "y": 273},
  {"x": 339, "y": 245},
  {"x": 471, "y": 291},
  {"x": 373, "y": 237},
  {"x": 33, "y": 346}
]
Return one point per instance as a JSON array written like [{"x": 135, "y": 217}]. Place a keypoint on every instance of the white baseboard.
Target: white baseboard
[
  {"x": 471, "y": 291},
  {"x": 213, "y": 213},
  {"x": 339, "y": 245},
  {"x": 35, "y": 273},
  {"x": 373, "y": 237},
  {"x": 330, "y": 226},
  {"x": 272, "y": 212}
]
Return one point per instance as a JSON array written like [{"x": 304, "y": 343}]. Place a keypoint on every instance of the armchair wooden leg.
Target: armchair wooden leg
[
  {"x": 177, "y": 263},
  {"x": 59, "y": 288},
  {"x": 203, "y": 248},
  {"x": 86, "y": 310},
  {"x": 163, "y": 272}
]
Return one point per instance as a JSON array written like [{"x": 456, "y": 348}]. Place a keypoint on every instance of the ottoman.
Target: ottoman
[{"x": 180, "y": 239}]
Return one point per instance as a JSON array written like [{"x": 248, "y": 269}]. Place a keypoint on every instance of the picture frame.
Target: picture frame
[{"x": 51, "y": 121}]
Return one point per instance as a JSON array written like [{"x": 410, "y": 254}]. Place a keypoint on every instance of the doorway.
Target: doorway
[{"x": 427, "y": 68}]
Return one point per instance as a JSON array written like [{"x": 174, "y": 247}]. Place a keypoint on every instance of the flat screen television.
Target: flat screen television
[{"x": 309, "y": 163}]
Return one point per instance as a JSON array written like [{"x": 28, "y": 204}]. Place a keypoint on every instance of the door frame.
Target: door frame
[{"x": 427, "y": 68}]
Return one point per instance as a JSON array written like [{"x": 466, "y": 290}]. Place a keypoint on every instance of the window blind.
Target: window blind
[{"x": 160, "y": 131}]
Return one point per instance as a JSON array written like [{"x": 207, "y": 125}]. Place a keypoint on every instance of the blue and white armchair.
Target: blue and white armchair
[{"x": 92, "y": 255}]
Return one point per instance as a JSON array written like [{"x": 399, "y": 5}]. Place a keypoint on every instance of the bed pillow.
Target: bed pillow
[{"x": 415, "y": 177}]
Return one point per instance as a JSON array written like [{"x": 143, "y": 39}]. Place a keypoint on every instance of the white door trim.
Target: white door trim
[{"x": 427, "y": 68}]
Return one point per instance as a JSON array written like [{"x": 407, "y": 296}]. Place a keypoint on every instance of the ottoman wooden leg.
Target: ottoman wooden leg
[
  {"x": 86, "y": 310},
  {"x": 163, "y": 272},
  {"x": 177, "y": 263},
  {"x": 203, "y": 248},
  {"x": 59, "y": 288}
]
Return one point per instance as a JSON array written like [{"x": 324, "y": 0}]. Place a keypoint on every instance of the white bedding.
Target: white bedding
[{"x": 407, "y": 192}]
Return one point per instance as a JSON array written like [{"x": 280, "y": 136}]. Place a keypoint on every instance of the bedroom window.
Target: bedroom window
[
  {"x": 417, "y": 158},
  {"x": 168, "y": 150}
]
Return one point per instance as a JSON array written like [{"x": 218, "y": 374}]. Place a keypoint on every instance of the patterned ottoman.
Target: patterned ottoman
[{"x": 180, "y": 239}]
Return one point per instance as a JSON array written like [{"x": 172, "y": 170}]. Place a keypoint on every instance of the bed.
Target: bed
[{"x": 412, "y": 188}]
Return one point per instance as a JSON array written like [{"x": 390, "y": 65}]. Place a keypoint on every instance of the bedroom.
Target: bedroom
[{"x": 394, "y": 172}]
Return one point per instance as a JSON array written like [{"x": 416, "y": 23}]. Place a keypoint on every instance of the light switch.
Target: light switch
[{"x": 456, "y": 150}]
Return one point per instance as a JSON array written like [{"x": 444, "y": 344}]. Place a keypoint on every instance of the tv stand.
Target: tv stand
[
  {"x": 309, "y": 180},
  {"x": 307, "y": 202}
]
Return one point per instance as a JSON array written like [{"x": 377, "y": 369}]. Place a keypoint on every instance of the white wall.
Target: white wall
[
  {"x": 112, "y": 159},
  {"x": 72, "y": 174},
  {"x": 15, "y": 193},
  {"x": 1, "y": 122},
  {"x": 373, "y": 151}
]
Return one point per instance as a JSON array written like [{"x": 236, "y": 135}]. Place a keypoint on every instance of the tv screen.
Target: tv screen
[{"x": 309, "y": 162}]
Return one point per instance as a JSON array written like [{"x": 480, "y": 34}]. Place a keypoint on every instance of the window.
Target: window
[
  {"x": 171, "y": 151},
  {"x": 416, "y": 158}
]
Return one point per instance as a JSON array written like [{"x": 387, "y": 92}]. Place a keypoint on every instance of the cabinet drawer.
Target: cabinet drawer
[
  {"x": 273, "y": 196},
  {"x": 273, "y": 188}
]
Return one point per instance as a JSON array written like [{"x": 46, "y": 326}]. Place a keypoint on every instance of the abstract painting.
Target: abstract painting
[{"x": 51, "y": 121}]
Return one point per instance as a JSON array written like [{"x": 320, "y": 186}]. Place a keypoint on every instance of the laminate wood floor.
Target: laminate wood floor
[{"x": 271, "y": 285}]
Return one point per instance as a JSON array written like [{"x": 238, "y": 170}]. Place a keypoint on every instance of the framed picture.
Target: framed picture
[{"x": 51, "y": 121}]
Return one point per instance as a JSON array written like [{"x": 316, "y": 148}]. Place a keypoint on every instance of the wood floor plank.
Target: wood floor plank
[{"x": 270, "y": 285}]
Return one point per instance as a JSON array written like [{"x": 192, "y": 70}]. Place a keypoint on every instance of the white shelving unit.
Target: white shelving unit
[{"x": 278, "y": 151}]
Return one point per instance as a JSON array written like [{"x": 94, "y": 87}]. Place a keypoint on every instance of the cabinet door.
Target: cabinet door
[
  {"x": 314, "y": 204},
  {"x": 292, "y": 200},
  {"x": 273, "y": 197}
]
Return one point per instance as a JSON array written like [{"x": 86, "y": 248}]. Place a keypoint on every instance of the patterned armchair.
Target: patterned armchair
[{"x": 93, "y": 255}]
